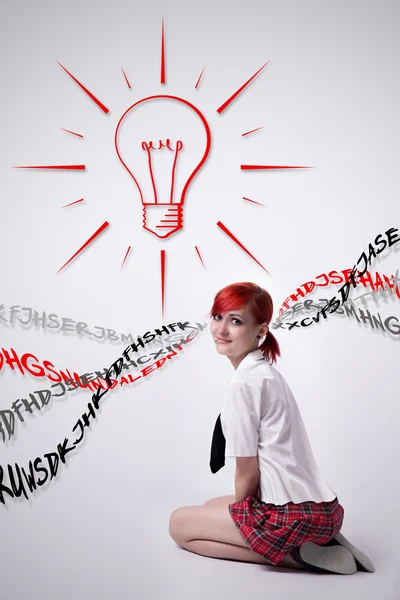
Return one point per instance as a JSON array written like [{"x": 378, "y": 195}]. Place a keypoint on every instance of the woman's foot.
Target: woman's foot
[
  {"x": 328, "y": 559},
  {"x": 362, "y": 561}
]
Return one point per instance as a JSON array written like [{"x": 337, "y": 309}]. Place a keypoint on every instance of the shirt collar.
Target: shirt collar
[{"x": 250, "y": 358}]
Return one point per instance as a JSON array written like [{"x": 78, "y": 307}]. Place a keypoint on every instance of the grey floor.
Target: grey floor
[
  {"x": 182, "y": 574},
  {"x": 100, "y": 552}
]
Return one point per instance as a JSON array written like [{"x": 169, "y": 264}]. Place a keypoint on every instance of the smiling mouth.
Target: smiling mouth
[{"x": 223, "y": 341}]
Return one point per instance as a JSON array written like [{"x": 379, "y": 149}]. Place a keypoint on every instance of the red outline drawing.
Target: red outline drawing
[
  {"x": 226, "y": 230},
  {"x": 198, "y": 252},
  {"x": 198, "y": 81},
  {"x": 162, "y": 74},
  {"x": 73, "y": 132},
  {"x": 239, "y": 91},
  {"x": 170, "y": 209},
  {"x": 169, "y": 217},
  {"x": 162, "y": 257},
  {"x": 253, "y": 130},
  {"x": 126, "y": 256},
  {"x": 248, "y": 200},
  {"x": 126, "y": 79},
  {"x": 96, "y": 100},
  {"x": 263, "y": 167},
  {"x": 72, "y": 203},
  {"x": 66, "y": 167},
  {"x": 89, "y": 241}
]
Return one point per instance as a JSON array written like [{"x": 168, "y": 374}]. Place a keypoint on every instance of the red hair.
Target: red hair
[{"x": 260, "y": 306}]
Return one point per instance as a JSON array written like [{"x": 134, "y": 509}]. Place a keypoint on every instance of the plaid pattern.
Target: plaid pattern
[{"x": 275, "y": 530}]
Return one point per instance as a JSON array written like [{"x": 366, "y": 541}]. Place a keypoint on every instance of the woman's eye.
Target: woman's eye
[{"x": 216, "y": 318}]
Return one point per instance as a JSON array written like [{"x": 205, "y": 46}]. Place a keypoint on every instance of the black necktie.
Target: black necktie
[{"x": 217, "y": 458}]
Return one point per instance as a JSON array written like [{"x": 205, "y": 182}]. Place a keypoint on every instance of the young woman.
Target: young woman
[{"x": 283, "y": 513}]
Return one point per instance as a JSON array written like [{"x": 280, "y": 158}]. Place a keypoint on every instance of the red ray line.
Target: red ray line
[
  {"x": 126, "y": 256},
  {"x": 73, "y": 132},
  {"x": 73, "y": 167},
  {"x": 129, "y": 85},
  {"x": 248, "y": 200},
  {"x": 71, "y": 203},
  {"x": 198, "y": 81},
  {"x": 162, "y": 278},
  {"x": 253, "y": 130},
  {"x": 255, "y": 167},
  {"x": 96, "y": 233},
  {"x": 225, "y": 104},
  {"x": 239, "y": 243},
  {"x": 162, "y": 54},
  {"x": 103, "y": 108},
  {"x": 197, "y": 250}
]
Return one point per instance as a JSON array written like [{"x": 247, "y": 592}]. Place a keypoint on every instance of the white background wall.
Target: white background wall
[{"x": 328, "y": 99}]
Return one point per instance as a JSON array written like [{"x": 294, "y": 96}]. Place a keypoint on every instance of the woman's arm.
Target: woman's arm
[{"x": 247, "y": 477}]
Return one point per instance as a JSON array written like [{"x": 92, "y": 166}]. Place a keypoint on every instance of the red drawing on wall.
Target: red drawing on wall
[
  {"x": 162, "y": 204},
  {"x": 163, "y": 209}
]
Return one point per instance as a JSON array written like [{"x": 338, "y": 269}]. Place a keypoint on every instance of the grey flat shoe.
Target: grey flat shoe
[
  {"x": 362, "y": 561},
  {"x": 325, "y": 559}
]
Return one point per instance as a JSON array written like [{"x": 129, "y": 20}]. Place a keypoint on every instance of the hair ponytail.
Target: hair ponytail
[{"x": 270, "y": 348}]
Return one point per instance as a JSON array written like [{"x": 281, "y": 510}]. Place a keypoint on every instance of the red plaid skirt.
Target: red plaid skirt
[{"x": 275, "y": 530}]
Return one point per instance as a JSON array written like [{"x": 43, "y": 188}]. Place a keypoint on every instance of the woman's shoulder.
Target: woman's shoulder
[
  {"x": 256, "y": 375},
  {"x": 265, "y": 377}
]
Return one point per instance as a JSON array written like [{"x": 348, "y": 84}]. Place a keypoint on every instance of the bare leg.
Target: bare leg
[
  {"x": 220, "y": 501},
  {"x": 238, "y": 553}
]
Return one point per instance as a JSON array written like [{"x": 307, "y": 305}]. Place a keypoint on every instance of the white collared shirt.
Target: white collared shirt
[{"x": 260, "y": 417}]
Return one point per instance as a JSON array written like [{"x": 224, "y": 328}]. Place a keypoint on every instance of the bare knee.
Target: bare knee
[{"x": 176, "y": 528}]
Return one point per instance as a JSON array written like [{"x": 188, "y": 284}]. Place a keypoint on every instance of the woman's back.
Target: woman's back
[{"x": 260, "y": 417}]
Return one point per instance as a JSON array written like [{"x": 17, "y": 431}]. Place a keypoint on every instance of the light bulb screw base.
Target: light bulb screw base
[{"x": 162, "y": 219}]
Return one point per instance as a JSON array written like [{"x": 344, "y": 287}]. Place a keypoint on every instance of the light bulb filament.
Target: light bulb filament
[{"x": 149, "y": 146}]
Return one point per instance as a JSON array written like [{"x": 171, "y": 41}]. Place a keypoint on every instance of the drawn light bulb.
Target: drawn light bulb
[{"x": 159, "y": 154}]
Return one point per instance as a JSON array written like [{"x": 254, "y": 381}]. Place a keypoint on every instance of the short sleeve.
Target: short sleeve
[{"x": 241, "y": 417}]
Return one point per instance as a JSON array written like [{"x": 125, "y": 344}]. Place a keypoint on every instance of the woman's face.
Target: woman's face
[{"x": 235, "y": 333}]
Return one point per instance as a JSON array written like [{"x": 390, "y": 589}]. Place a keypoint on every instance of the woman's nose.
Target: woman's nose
[{"x": 223, "y": 329}]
